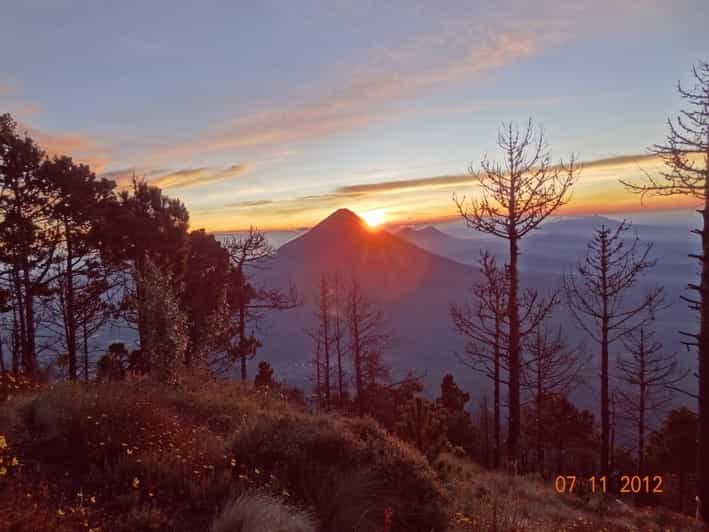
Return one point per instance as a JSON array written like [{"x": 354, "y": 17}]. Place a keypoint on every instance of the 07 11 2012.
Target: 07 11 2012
[{"x": 628, "y": 483}]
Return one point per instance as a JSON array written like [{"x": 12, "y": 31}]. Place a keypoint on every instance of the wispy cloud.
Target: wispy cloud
[
  {"x": 199, "y": 176},
  {"x": 176, "y": 179},
  {"x": 82, "y": 147},
  {"x": 404, "y": 184},
  {"x": 372, "y": 93}
]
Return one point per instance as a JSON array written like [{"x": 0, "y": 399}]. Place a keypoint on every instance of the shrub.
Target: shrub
[
  {"x": 261, "y": 513},
  {"x": 348, "y": 470},
  {"x": 424, "y": 425}
]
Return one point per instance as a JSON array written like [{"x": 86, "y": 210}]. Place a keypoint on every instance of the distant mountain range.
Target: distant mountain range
[{"x": 416, "y": 273}]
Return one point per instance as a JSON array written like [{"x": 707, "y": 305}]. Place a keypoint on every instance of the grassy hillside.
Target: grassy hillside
[{"x": 209, "y": 455}]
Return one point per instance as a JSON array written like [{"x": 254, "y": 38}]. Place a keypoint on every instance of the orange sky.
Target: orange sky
[{"x": 598, "y": 191}]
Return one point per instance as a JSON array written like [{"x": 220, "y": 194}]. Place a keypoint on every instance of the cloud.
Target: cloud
[
  {"x": 250, "y": 203},
  {"x": 403, "y": 184},
  {"x": 199, "y": 176},
  {"x": 371, "y": 93},
  {"x": 81, "y": 147}
]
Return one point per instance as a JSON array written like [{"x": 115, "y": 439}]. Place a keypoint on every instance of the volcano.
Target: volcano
[
  {"x": 382, "y": 262},
  {"x": 414, "y": 288}
]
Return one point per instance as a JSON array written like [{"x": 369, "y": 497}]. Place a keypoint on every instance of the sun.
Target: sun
[{"x": 374, "y": 218}]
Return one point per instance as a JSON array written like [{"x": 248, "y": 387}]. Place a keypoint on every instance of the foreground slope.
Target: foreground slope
[{"x": 212, "y": 455}]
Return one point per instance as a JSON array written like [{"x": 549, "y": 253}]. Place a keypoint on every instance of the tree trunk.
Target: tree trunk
[
  {"x": 496, "y": 400},
  {"x": 242, "y": 329},
  {"x": 86, "y": 350},
  {"x": 605, "y": 412},
  {"x": 29, "y": 355},
  {"x": 641, "y": 407},
  {"x": 326, "y": 340},
  {"x": 538, "y": 400},
  {"x": 70, "y": 314},
  {"x": 514, "y": 361},
  {"x": 703, "y": 341},
  {"x": 357, "y": 352}
]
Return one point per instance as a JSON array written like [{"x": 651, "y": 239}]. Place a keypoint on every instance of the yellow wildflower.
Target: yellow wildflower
[
  {"x": 60, "y": 512},
  {"x": 3, "y": 471},
  {"x": 136, "y": 482},
  {"x": 3, "y": 442}
]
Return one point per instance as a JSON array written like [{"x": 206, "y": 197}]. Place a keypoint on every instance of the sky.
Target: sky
[{"x": 274, "y": 114}]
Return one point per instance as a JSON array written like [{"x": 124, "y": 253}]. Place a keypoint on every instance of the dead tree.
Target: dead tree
[
  {"x": 485, "y": 324},
  {"x": 249, "y": 252},
  {"x": 551, "y": 368},
  {"x": 597, "y": 291},
  {"x": 339, "y": 334},
  {"x": 368, "y": 335},
  {"x": 686, "y": 156},
  {"x": 515, "y": 197},
  {"x": 648, "y": 374}
]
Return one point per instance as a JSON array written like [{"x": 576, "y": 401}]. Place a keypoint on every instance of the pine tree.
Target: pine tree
[
  {"x": 551, "y": 368},
  {"x": 686, "y": 156},
  {"x": 596, "y": 293},
  {"x": 516, "y": 197},
  {"x": 646, "y": 376}
]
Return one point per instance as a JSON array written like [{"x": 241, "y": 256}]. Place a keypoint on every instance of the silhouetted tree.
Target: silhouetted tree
[
  {"x": 204, "y": 297},
  {"x": 264, "y": 377},
  {"x": 597, "y": 292},
  {"x": 566, "y": 428},
  {"x": 551, "y": 368},
  {"x": 114, "y": 363},
  {"x": 485, "y": 324},
  {"x": 81, "y": 200},
  {"x": 686, "y": 155},
  {"x": 368, "y": 335},
  {"x": 144, "y": 226},
  {"x": 673, "y": 447},
  {"x": 646, "y": 374},
  {"x": 324, "y": 308},
  {"x": 460, "y": 430},
  {"x": 339, "y": 330},
  {"x": 515, "y": 197},
  {"x": 28, "y": 233},
  {"x": 249, "y": 252}
]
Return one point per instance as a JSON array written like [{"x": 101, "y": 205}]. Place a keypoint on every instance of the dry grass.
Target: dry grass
[
  {"x": 261, "y": 513},
  {"x": 494, "y": 501},
  {"x": 143, "y": 456}
]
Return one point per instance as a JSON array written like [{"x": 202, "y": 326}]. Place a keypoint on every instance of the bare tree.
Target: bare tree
[
  {"x": 339, "y": 333},
  {"x": 515, "y": 197},
  {"x": 322, "y": 313},
  {"x": 647, "y": 375},
  {"x": 247, "y": 253},
  {"x": 598, "y": 290},
  {"x": 485, "y": 327},
  {"x": 686, "y": 156},
  {"x": 551, "y": 368},
  {"x": 369, "y": 335},
  {"x": 485, "y": 324}
]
